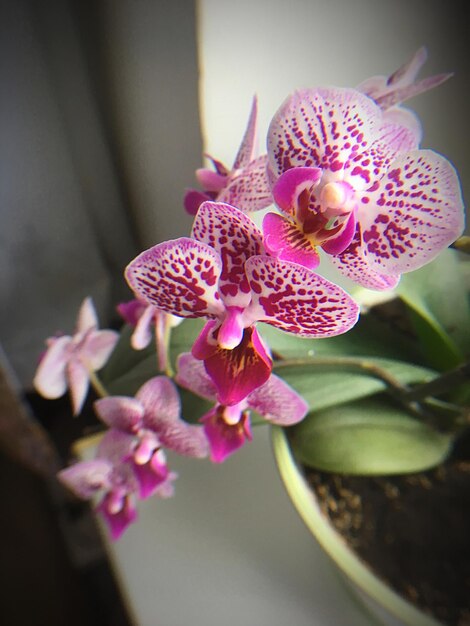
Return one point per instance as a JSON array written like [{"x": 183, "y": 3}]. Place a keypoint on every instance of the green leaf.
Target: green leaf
[
  {"x": 325, "y": 385},
  {"x": 184, "y": 336},
  {"x": 370, "y": 437},
  {"x": 129, "y": 383},
  {"x": 124, "y": 358},
  {"x": 437, "y": 295}
]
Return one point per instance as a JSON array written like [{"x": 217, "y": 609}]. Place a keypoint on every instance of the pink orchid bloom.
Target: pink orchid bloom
[
  {"x": 69, "y": 360},
  {"x": 228, "y": 427},
  {"x": 224, "y": 275},
  {"x": 245, "y": 185},
  {"x": 356, "y": 186},
  {"x": 146, "y": 318},
  {"x": 153, "y": 419},
  {"x": 111, "y": 476}
]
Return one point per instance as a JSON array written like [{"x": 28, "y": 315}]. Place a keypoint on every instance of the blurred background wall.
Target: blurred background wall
[{"x": 102, "y": 103}]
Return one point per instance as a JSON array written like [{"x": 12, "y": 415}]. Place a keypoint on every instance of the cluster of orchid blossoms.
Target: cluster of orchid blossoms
[{"x": 345, "y": 172}]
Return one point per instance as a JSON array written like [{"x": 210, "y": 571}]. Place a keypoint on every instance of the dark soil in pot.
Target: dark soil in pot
[{"x": 413, "y": 531}]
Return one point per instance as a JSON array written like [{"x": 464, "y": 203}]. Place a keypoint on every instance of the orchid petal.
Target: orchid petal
[
  {"x": 353, "y": 264},
  {"x": 297, "y": 300},
  {"x": 415, "y": 212},
  {"x": 120, "y": 412},
  {"x": 162, "y": 415},
  {"x": 166, "y": 489},
  {"x": 321, "y": 128},
  {"x": 236, "y": 373},
  {"x": 50, "y": 380},
  {"x": 277, "y": 402},
  {"x": 78, "y": 382},
  {"x": 87, "y": 478},
  {"x": 192, "y": 375},
  {"x": 206, "y": 342},
  {"x": 131, "y": 311},
  {"x": 247, "y": 147},
  {"x": 151, "y": 475},
  {"x": 410, "y": 91},
  {"x": 235, "y": 237},
  {"x": 209, "y": 180},
  {"x": 142, "y": 335},
  {"x": 248, "y": 188},
  {"x": 225, "y": 439},
  {"x": 340, "y": 242},
  {"x": 285, "y": 240},
  {"x": 179, "y": 277},
  {"x": 116, "y": 446},
  {"x": 193, "y": 198},
  {"x": 87, "y": 317},
  {"x": 97, "y": 348},
  {"x": 400, "y": 116},
  {"x": 119, "y": 521},
  {"x": 290, "y": 186}
]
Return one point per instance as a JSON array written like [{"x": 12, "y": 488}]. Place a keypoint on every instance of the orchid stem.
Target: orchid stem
[
  {"x": 97, "y": 385},
  {"x": 440, "y": 384}
]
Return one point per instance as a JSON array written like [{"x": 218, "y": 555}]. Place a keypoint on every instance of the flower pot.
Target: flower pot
[{"x": 390, "y": 608}]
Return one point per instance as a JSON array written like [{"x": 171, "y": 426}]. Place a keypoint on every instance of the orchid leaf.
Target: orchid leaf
[
  {"x": 134, "y": 378},
  {"x": 325, "y": 385},
  {"x": 440, "y": 308},
  {"x": 184, "y": 336},
  {"x": 369, "y": 437}
]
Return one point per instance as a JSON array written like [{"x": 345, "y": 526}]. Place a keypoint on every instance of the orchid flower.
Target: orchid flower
[
  {"x": 228, "y": 427},
  {"x": 245, "y": 185},
  {"x": 145, "y": 318},
  {"x": 223, "y": 274},
  {"x": 111, "y": 476},
  {"x": 69, "y": 361},
  {"x": 355, "y": 185}
]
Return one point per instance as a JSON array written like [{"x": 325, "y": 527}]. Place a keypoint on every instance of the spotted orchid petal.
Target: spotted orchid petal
[
  {"x": 120, "y": 412},
  {"x": 286, "y": 240},
  {"x": 211, "y": 181},
  {"x": 353, "y": 264},
  {"x": 160, "y": 399},
  {"x": 405, "y": 118},
  {"x": 402, "y": 84},
  {"x": 85, "y": 479},
  {"x": 278, "y": 403},
  {"x": 247, "y": 147},
  {"x": 297, "y": 300},
  {"x": 225, "y": 439},
  {"x": 78, "y": 383},
  {"x": 248, "y": 188},
  {"x": 235, "y": 237},
  {"x": 237, "y": 372},
  {"x": 179, "y": 277},
  {"x": 50, "y": 380},
  {"x": 322, "y": 128},
  {"x": 415, "y": 212}
]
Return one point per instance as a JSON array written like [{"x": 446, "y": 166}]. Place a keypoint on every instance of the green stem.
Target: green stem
[
  {"x": 97, "y": 384},
  {"x": 440, "y": 384}
]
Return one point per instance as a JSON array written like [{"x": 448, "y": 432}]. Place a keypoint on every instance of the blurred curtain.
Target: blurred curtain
[{"x": 99, "y": 136}]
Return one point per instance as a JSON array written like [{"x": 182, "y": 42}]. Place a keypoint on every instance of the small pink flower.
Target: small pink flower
[
  {"x": 68, "y": 360},
  {"x": 245, "y": 185},
  {"x": 228, "y": 427}
]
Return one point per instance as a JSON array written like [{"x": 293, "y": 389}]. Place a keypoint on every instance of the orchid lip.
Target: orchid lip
[{"x": 231, "y": 330}]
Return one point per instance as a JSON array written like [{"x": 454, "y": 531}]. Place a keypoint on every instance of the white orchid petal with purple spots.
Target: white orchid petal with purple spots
[
  {"x": 297, "y": 300},
  {"x": 278, "y": 403},
  {"x": 400, "y": 116},
  {"x": 414, "y": 213},
  {"x": 248, "y": 188},
  {"x": 192, "y": 375},
  {"x": 50, "y": 380},
  {"x": 87, "y": 478},
  {"x": 120, "y": 412},
  {"x": 321, "y": 128},
  {"x": 235, "y": 237},
  {"x": 247, "y": 147},
  {"x": 179, "y": 277}
]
